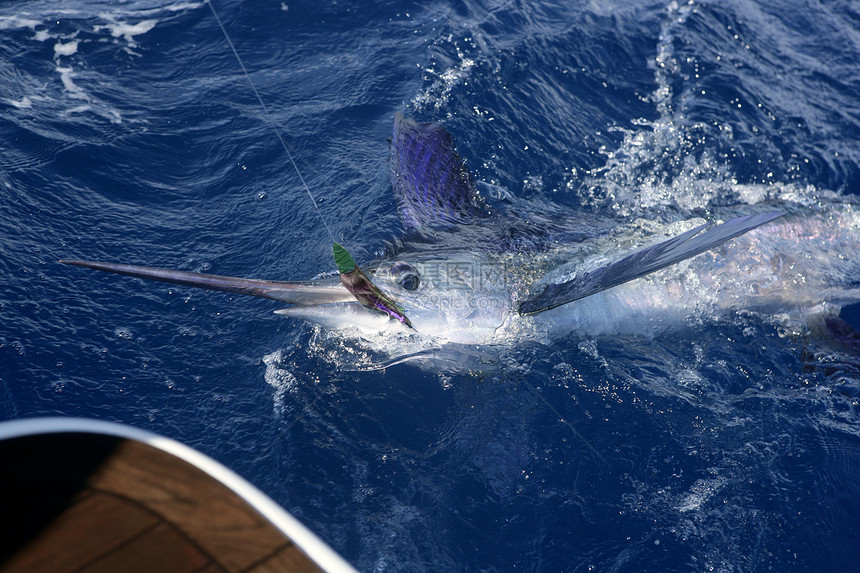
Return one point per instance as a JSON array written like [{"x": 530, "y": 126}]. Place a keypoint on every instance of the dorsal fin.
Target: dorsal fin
[{"x": 431, "y": 182}]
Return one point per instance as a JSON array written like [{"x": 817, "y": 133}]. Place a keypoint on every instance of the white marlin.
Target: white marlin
[{"x": 469, "y": 272}]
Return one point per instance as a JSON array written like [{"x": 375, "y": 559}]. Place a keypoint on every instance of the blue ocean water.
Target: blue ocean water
[{"x": 130, "y": 134}]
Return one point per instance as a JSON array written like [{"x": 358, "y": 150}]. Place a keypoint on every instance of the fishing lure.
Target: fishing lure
[{"x": 363, "y": 289}]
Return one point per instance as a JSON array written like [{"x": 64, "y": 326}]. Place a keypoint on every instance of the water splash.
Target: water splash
[
  {"x": 672, "y": 162},
  {"x": 442, "y": 84},
  {"x": 281, "y": 379}
]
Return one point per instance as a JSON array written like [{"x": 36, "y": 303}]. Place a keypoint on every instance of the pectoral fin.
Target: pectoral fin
[{"x": 644, "y": 262}]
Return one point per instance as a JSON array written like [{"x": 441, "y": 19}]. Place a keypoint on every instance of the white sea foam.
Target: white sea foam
[
  {"x": 700, "y": 493},
  {"x": 23, "y": 103},
  {"x": 77, "y": 109},
  {"x": 179, "y": 7},
  {"x": 15, "y": 22},
  {"x": 68, "y": 49},
  {"x": 439, "y": 92},
  {"x": 67, "y": 75},
  {"x": 125, "y": 30},
  {"x": 279, "y": 378}
]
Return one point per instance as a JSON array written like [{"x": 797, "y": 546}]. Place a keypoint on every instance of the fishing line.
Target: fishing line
[
  {"x": 564, "y": 420},
  {"x": 351, "y": 275},
  {"x": 268, "y": 118}
]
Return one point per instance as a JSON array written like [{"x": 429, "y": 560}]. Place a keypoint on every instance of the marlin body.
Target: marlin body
[{"x": 475, "y": 273}]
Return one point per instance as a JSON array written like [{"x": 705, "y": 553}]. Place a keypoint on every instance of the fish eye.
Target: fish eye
[{"x": 406, "y": 275}]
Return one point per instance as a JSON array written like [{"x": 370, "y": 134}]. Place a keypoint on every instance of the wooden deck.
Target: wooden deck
[{"x": 78, "y": 502}]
